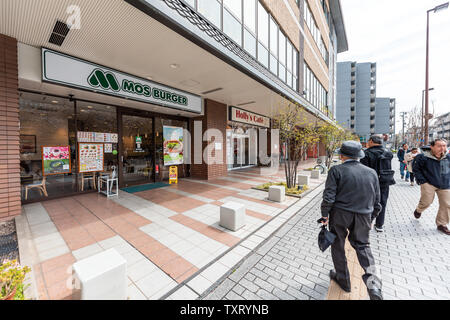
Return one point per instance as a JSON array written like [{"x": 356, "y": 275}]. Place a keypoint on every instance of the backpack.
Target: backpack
[{"x": 384, "y": 169}]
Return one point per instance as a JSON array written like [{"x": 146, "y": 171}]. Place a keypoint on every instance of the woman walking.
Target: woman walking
[{"x": 409, "y": 158}]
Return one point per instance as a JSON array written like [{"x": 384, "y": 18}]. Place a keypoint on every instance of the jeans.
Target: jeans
[{"x": 402, "y": 170}]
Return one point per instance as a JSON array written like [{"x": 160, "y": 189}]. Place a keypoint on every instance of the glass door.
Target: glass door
[{"x": 137, "y": 150}]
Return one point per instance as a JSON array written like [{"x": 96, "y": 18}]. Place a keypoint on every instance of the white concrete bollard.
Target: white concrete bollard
[
  {"x": 277, "y": 193},
  {"x": 303, "y": 179},
  {"x": 232, "y": 215},
  {"x": 102, "y": 276},
  {"x": 315, "y": 174}
]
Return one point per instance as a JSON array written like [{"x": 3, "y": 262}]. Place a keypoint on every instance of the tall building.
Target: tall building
[
  {"x": 440, "y": 127},
  {"x": 132, "y": 75},
  {"x": 356, "y": 106}
]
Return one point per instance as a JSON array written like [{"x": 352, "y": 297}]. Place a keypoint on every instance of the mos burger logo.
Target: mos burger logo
[{"x": 108, "y": 81}]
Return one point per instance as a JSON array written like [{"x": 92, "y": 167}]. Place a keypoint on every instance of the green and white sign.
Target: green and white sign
[{"x": 63, "y": 69}]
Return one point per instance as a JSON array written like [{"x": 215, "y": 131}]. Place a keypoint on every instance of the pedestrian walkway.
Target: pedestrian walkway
[
  {"x": 412, "y": 256},
  {"x": 167, "y": 235}
]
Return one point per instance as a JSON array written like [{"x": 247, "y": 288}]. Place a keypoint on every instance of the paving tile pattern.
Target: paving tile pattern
[{"x": 412, "y": 257}]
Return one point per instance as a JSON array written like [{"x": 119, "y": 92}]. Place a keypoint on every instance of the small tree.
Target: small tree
[
  {"x": 298, "y": 134},
  {"x": 332, "y": 136}
]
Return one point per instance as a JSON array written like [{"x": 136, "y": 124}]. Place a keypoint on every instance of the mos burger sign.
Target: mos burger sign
[{"x": 250, "y": 118}]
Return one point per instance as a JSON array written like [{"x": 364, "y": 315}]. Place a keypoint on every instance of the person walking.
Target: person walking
[
  {"x": 379, "y": 159},
  {"x": 401, "y": 157},
  {"x": 432, "y": 172},
  {"x": 409, "y": 158},
  {"x": 351, "y": 196}
]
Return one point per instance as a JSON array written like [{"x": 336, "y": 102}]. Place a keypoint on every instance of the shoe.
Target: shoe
[
  {"x": 444, "y": 229},
  {"x": 375, "y": 294},
  {"x": 403, "y": 177},
  {"x": 407, "y": 179},
  {"x": 379, "y": 229},
  {"x": 333, "y": 276},
  {"x": 417, "y": 214},
  {"x": 412, "y": 183}
]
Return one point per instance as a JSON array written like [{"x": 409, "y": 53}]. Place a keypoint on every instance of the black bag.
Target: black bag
[
  {"x": 384, "y": 169},
  {"x": 326, "y": 238}
]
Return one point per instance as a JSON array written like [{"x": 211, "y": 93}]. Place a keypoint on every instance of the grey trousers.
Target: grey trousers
[{"x": 357, "y": 227}]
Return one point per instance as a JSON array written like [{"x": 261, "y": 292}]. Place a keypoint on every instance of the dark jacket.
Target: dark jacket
[
  {"x": 428, "y": 169},
  {"x": 401, "y": 155},
  {"x": 351, "y": 187},
  {"x": 372, "y": 155}
]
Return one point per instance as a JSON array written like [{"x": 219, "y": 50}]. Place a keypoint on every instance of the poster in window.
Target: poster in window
[
  {"x": 173, "y": 145},
  {"x": 27, "y": 143},
  {"x": 91, "y": 157},
  {"x": 55, "y": 160}
]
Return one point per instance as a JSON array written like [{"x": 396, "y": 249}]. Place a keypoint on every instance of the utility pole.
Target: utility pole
[{"x": 402, "y": 114}]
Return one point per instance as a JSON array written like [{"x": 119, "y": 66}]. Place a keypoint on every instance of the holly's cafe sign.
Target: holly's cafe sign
[
  {"x": 247, "y": 117},
  {"x": 66, "y": 70}
]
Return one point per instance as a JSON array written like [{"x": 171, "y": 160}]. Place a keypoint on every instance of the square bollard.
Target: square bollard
[
  {"x": 315, "y": 174},
  {"x": 102, "y": 276},
  {"x": 232, "y": 215},
  {"x": 303, "y": 179},
  {"x": 277, "y": 193}
]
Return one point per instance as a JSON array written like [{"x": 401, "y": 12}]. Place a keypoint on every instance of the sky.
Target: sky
[{"x": 392, "y": 33}]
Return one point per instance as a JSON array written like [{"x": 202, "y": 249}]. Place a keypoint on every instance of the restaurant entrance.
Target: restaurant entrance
[{"x": 137, "y": 156}]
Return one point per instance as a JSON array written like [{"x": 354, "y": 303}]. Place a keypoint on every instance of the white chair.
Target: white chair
[{"x": 109, "y": 180}]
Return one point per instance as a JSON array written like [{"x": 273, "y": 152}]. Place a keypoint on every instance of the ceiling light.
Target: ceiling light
[
  {"x": 174, "y": 66},
  {"x": 89, "y": 107},
  {"x": 55, "y": 101},
  {"x": 245, "y": 103},
  {"x": 149, "y": 78}
]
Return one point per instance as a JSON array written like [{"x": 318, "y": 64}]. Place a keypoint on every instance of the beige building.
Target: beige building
[{"x": 125, "y": 75}]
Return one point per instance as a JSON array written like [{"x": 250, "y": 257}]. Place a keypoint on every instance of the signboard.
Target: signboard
[
  {"x": 173, "y": 174},
  {"x": 108, "y": 148},
  {"x": 55, "y": 160},
  {"x": 90, "y": 156},
  {"x": 138, "y": 140},
  {"x": 97, "y": 137},
  {"x": 173, "y": 145},
  {"x": 247, "y": 117},
  {"x": 70, "y": 71}
]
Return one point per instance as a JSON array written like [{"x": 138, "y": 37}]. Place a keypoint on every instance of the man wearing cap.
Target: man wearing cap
[
  {"x": 350, "y": 198},
  {"x": 372, "y": 155}
]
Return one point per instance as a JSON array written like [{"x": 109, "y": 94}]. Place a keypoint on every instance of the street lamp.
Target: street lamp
[
  {"x": 421, "y": 117},
  {"x": 435, "y": 9}
]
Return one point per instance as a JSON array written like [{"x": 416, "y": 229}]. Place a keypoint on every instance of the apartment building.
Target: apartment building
[
  {"x": 440, "y": 127},
  {"x": 357, "y": 107},
  {"x": 129, "y": 75}
]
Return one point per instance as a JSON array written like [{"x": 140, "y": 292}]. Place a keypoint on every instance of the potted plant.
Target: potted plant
[{"x": 12, "y": 275}]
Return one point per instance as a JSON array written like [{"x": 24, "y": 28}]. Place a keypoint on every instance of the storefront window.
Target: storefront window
[
  {"x": 47, "y": 123},
  {"x": 242, "y": 145},
  {"x": 99, "y": 118},
  {"x": 162, "y": 166}
]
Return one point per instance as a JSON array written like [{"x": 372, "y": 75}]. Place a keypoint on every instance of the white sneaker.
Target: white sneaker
[
  {"x": 379, "y": 229},
  {"x": 412, "y": 183}
]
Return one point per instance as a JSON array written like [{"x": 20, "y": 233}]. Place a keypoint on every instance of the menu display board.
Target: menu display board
[
  {"x": 97, "y": 137},
  {"x": 91, "y": 157},
  {"x": 55, "y": 160},
  {"x": 173, "y": 145}
]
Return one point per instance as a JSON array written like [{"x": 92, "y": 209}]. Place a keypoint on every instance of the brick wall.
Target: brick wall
[
  {"x": 10, "y": 204},
  {"x": 216, "y": 118}
]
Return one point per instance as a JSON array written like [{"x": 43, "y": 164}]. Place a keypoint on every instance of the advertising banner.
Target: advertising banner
[
  {"x": 173, "y": 145},
  {"x": 55, "y": 160},
  {"x": 90, "y": 157}
]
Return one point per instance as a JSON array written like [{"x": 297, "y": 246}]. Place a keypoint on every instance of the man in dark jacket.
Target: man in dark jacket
[
  {"x": 401, "y": 157},
  {"x": 372, "y": 154},
  {"x": 432, "y": 172},
  {"x": 351, "y": 196}
]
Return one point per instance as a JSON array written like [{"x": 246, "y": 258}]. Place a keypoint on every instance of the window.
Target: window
[
  {"x": 282, "y": 72},
  {"x": 211, "y": 9},
  {"x": 249, "y": 43},
  {"x": 250, "y": 15},
  {"x": 273, "y": 65},
  {"x": 315, "y": 92},
  {"x": 282, "y": 47},
  {"x": 263, "y": 25},
  {"x": 263, "y": 55},
  {"x": 289, "y": 56},
  {"x": 235, "y": 7},
  {"x": 273, "y": 38},
  {"x": 232, "y": 27}
]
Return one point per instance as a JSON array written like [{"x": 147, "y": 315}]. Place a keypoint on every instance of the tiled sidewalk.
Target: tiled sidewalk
[{"x": 167, "y": 235}]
